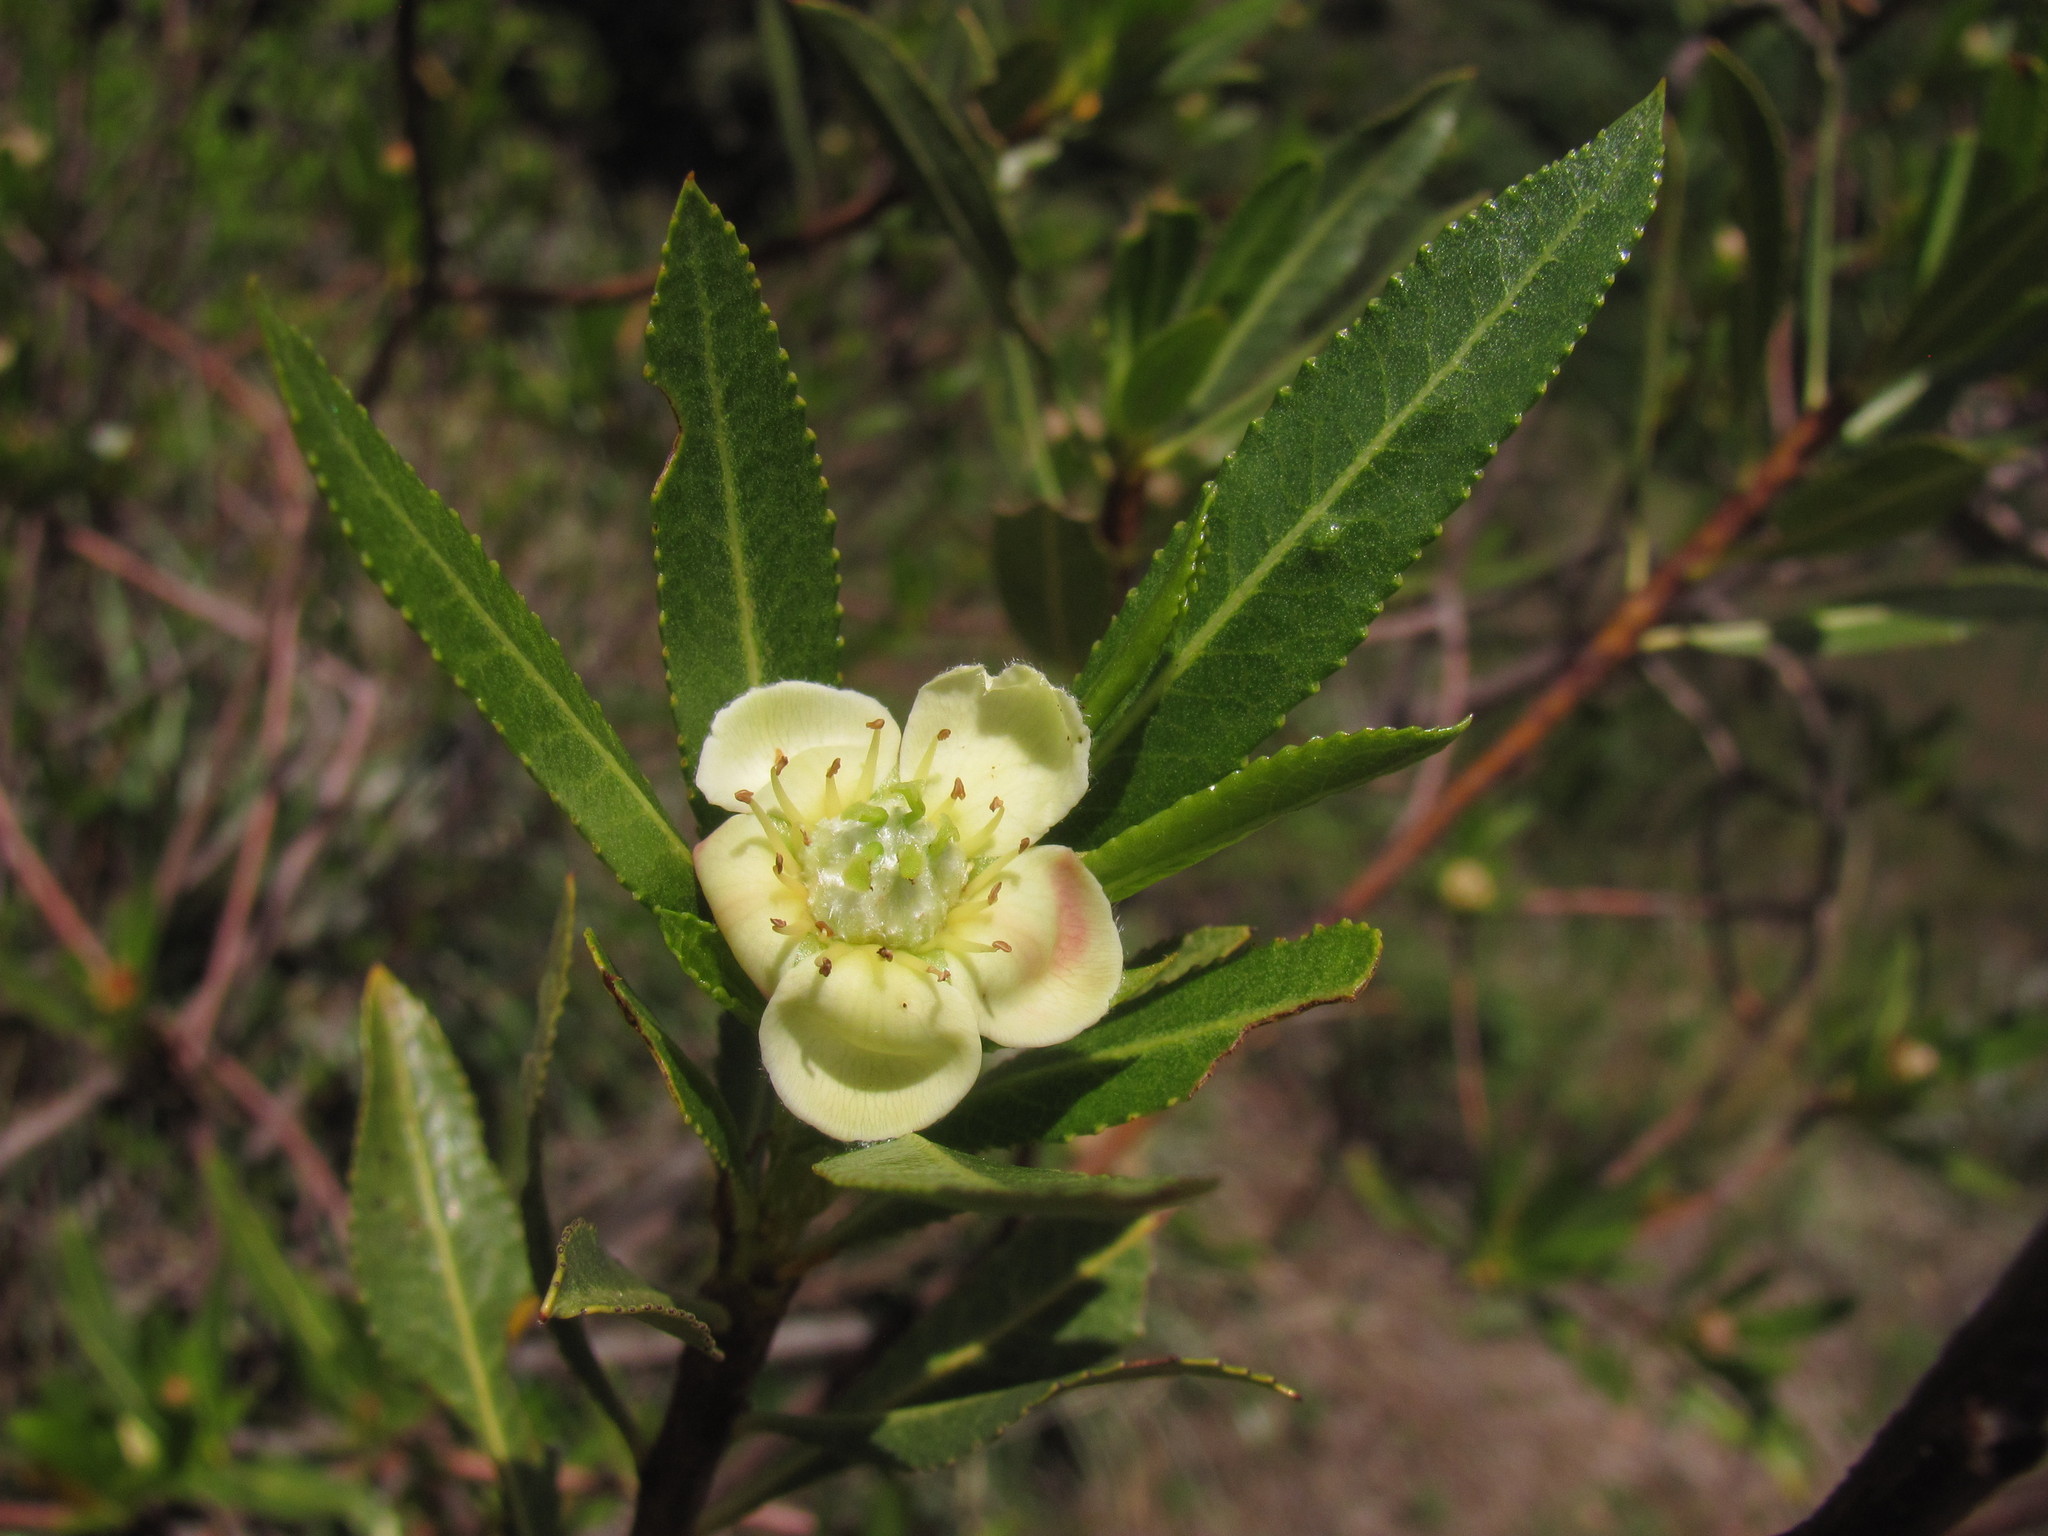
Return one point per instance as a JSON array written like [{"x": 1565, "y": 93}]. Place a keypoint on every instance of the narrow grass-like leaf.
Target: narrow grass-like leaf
[
  {"x": 700, "y": 949},
  {"x": 1753, "y": 138},
  {"x": 1363, "y": 181},
  {"x": 1210, "y": 820},
  {"x": 916, "y": 1169},
  {"x": 926, "y": 1435},
  {"x": 1156, "y": 1051},
  {"x": 1133, "y": 648},
  {"x": 481, "y": 631},
  {"x": 1988, "y": 289},
  {"x": 1054, "y": 581},
  {"x": 1163, "y": 965},
  {"x": 1336, "y": 491},
  {"x": 749, "y": 580},
  {"x": 1883, "y": 493},
  {"x": 1852, "y": 629},
  {"x": 932, "y": 147},
  {"x": 589, "y": 1281},
  {"x": 307, "y": 1314},
  {"x": 433, "y": 1236},
  {"x": 703, "y": 1107}
]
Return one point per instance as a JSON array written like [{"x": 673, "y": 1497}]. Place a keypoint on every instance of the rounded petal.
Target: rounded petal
[
  {"x": 736, "y": 869},
  {"x": 1064, "y": 959},
  {"x": 791, "y": 718},
  {"x": 1014, "y": 736},
  {"x": 873, "y": 1050}
]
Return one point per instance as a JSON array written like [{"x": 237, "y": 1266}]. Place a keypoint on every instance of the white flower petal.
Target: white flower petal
[
  {"x": 1015, "y": 736},
  {"x": 736, "y": 869},
  {"x": 874, "y": 1050},
  {"x": 791, "y": 718},
  {"x": 1064, "y": 959}
]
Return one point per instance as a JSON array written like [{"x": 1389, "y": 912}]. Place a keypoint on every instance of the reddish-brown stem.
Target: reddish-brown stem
[
  {"x": 1614, "y": 644},
  {"x": 112, "y": 984}
]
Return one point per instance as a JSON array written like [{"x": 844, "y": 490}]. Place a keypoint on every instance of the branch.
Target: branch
[
  {"x": 112, "y": 984},
  {"x": 29, "y": 1128},
  {"x": 1975, "y": 1420},
  {"x": 1615, "y": 643}
]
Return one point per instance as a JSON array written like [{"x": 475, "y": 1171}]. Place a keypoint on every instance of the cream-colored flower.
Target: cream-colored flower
[{"x": 885, "y": 891}]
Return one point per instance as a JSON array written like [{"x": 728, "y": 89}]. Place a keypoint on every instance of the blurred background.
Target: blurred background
[{"x": 1701, "y": 1090}]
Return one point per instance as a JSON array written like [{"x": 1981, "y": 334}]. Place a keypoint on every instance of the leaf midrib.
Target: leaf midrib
[
  {"x": 508, "y": 645},
  {"x": 491, "y": 1427},
  {"x": 721, "y": 438},
  {"x": 1239, "y": 595}
]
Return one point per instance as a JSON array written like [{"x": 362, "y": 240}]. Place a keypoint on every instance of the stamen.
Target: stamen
[
  {"x": 824, "y": 965},
  {"x": 885, "y": 953},
  {"x": 873, "y": 766},
  {"x": 994, "y": 891},
  {"x": 744, "y": 796},
  {"x": 782, "y": 796},
  {"x": 833, "y": 771},
  {"x": 776, "y": 837},
  {"x": 781, "y": 762},
  {"x": 944, "y": 734},
  {"x": 1022, "y": 843},
  {"x": 876, "y": 725},
  {"x": 832, "y": 789},
  {"x": 996, "y": 804},
  {"x": 933, "y": 970},
  {"x": 999, "y": 943},
  {"x": 959, "y": 790},
  {"x": 780, "y": 925}
]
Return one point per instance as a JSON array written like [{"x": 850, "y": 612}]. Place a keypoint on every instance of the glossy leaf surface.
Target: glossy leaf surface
[
  {"x": 1164, "y": 965},
  {"x": 700, "y": 949},
  {"x": 1157, "y": 1050},
  {"x": 702, "y": 1106},
  {"x": 1211, "y": 820},
  {"x": 1133, "y": 648},
  {"x": 749, "y": 581},
  {"x": 433, "y": 1236},
  {"x": 920, "y": 1170},
  {"x": 481, "y": 631},
  {"x": 588, "y": 1280},
  {"x": 1336, "y": 491}
]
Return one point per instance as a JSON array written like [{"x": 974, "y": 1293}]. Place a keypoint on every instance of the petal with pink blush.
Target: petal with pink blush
[
  {"x": 871, "y": 1049},
  {"x": 736, "y": 871},
  {"x": 791, "y": 718},
  {"x": 1064, "y": 958}
]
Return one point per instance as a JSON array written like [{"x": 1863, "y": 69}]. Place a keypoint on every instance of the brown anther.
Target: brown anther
[
  {"x": 944, "y": 734},
  {"x": 833, "y": 771},
  {"x": 824, "y": 965},
  {"x": 885, "y": 954},
  {"x": 876, "y": 725},
  {"x": 744, "y": 796},
  {"x": 780, "y": 925},
  {"x": 778, "y": 863},
  {"x": 1001, "y": 944},
  {"x": 781, "y": 762},
  {"x": 996, "y": 804},
  {"x": 959, "y": 790},
  {"x": 821, "y": 927},
  {"x": 807, "y": 840},
  {"x": 933, "y": 970},
  {"x": 1022, "y": 843},
  {"x": 994, "y": 891}
]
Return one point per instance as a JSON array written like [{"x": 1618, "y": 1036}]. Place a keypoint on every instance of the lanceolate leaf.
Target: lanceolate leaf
[
  {"x": 696, "y": 1095},
  {"x": 1156, "y": 1051},
  {"x": 432, "y": 1233},
  {"x": 1336, "y": 491},
  {"x": 1988, "y": 288},
  {"x": 1164, "y": 372},
  {"x": 1883, "y": 493},
  {"x": 917, "y": 1169},
  {"x": 1132, "y": 650},
  {"x": 1258, "y": 236},
  {"x": 742, "y": 539},
  {"x": 1150, "y": 280},
  {"x": 1363, "y": 182},
  {"x": 589, "y": 1280},
  {"x": 1263, "y": 791},
  {"x": 931, "y": 146},
  {"x": 929, "y": 1435},
  {"x": 480, "y": 630},
  {"x": 700, "y": 949}
]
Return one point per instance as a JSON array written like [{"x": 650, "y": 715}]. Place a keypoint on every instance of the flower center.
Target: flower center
[{"x": 883, "y": 872}]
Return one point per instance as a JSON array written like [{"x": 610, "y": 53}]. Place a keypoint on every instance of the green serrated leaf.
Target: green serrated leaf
[
  {"x": 1882, "y": 493},
  {"x": 749, "y": 580},
  {"x": 935, "y": 151},
  {"x": 433, "y": 1235},
  {"x": 1157, "y": 1050},
  {"x": 1365, "y": 180},
  {"x": 700, "y": 949},
  {"x": 917, "y": 1169},
  {"x": 481, "y": 631},
  {"x": 1134, "y": 647},
  {"x": 588, "y": 1280},
  {"x": 927, "y": 1435},
  {"x": 1211, "y": 820},
  {"x": 1054, "y": 581},
  {"x": 1335, "y": 492},
  {"x": 1193, "y": 951},
  {"x": 1164, "y": 372},
  {"x": 1753, "y": 138},
  {"x": 703, "y": 1107}
]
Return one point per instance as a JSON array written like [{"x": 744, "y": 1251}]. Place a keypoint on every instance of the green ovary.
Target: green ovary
[{"x": 882, "y": 872}]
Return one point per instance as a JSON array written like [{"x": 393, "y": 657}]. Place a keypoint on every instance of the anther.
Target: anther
[
  {"x": 959, "y": 790},
  {"x": 781, "y": 762},
  {"x": 885, "y": 954},
  {"x": 744, "y": 796},
  {"x": 996, "y": 804},
  {"x": 876, "y": 725},
  {"x": 824, "y": 965},
  {"x": 780, "y": 925},
  {"x": 933, "y": 970},
  {"x": 999, "y": 944},
  {"x": 994, "y": 891},
  {"x": 944, "y": 734},
  {"x": 778, "y": 863},
  {"x": 1022, "y": 843},
  {"x": 833, "y": 771},
  {"x": 824, "y": 928}
]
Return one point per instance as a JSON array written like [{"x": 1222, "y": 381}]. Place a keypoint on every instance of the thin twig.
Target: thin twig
[
  {"x": 29, "y": 1128},
  {"x": 1615, "y": 643},
  {"x": 112, "y": 984}
]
